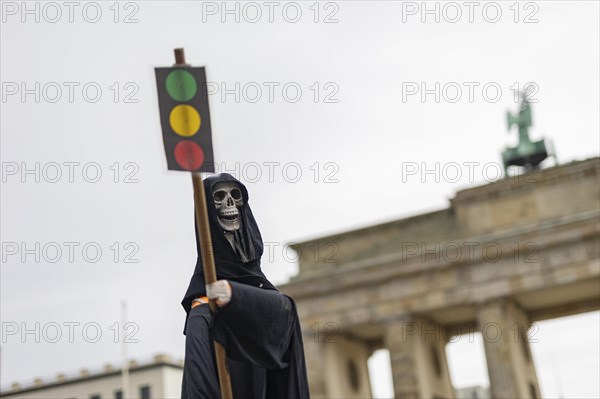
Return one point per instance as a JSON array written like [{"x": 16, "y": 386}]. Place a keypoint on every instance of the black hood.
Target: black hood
[
  {"x": 247, "y": 236},
  {"x": 228, "y": 264}
]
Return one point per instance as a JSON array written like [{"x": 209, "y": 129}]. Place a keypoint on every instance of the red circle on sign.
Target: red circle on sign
[{"x": 188, "y": 155}]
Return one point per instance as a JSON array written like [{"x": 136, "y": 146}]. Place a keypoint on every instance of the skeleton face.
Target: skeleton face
[{"x": 228, "y": 201}]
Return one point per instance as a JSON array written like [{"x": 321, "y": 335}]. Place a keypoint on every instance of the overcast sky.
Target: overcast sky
[{"x": 317, "y": 107}]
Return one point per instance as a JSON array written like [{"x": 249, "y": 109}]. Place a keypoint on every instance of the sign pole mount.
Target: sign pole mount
[{"x": 208, "y": 261}]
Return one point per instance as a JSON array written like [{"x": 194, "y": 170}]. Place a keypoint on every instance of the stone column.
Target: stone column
[
  {"x": 418, "y": 359},
  {"x": 503, "y": 325},
  {"x": 315, "y": 365},
  {"x": 346, "y": 362}
]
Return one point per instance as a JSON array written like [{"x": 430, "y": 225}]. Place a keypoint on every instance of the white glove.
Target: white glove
[{"x": 219, "y": 290}]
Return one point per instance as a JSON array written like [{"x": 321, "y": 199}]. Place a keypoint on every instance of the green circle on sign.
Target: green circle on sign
[{"x": 181, "y": 85}]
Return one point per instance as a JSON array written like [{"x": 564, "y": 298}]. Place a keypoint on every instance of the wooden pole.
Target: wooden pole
[{"x": 208, "y": 260}]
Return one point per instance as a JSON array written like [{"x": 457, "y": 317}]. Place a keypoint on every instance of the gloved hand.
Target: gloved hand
[{"x": 219, "y": 290}]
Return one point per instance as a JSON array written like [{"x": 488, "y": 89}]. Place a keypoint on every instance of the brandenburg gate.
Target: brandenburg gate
[{"x": 501, "y": 257}]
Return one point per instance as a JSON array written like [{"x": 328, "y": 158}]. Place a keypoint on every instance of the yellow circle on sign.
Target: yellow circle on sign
[{"x": 185, "y": 120}]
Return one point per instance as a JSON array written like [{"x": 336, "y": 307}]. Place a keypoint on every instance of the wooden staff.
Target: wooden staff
[{"x": 208, "y": 261}]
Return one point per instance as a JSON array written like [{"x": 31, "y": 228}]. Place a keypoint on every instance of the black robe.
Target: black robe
[{"x": 259, "y": 327}]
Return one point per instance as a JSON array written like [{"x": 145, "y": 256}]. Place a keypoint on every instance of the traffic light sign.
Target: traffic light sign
[{"x": 185, "y": 118}]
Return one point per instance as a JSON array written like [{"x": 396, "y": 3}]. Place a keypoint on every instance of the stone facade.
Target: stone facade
[
  {"x": 502, "y": 256},
  {"x": 160, "y": 378}
]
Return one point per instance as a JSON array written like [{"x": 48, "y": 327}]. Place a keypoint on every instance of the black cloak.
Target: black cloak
[{"x": 259, "y": 327}]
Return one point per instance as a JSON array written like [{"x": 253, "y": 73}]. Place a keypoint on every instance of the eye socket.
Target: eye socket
[
  {"x": 219, "y": 195},
  {"x": 236, "y": 194}
]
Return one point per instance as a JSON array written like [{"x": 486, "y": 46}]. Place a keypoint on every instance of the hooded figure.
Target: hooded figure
[{"x": 258, "y": 326}]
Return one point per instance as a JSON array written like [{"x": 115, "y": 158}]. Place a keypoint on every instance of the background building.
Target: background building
[
  {"x": 501, "y": 257},
  {"x": 159, "y": 378},
  {"x": 476, "y": 392}
]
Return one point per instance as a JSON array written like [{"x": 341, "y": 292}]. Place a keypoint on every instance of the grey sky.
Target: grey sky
[{"x": 351, "y": 144}]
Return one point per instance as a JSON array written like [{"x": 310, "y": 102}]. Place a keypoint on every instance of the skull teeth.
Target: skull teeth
[{"x": 229, "y": 216}]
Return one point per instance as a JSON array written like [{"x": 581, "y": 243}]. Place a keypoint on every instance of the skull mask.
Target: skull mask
[{"x": 228, "y": 201}]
